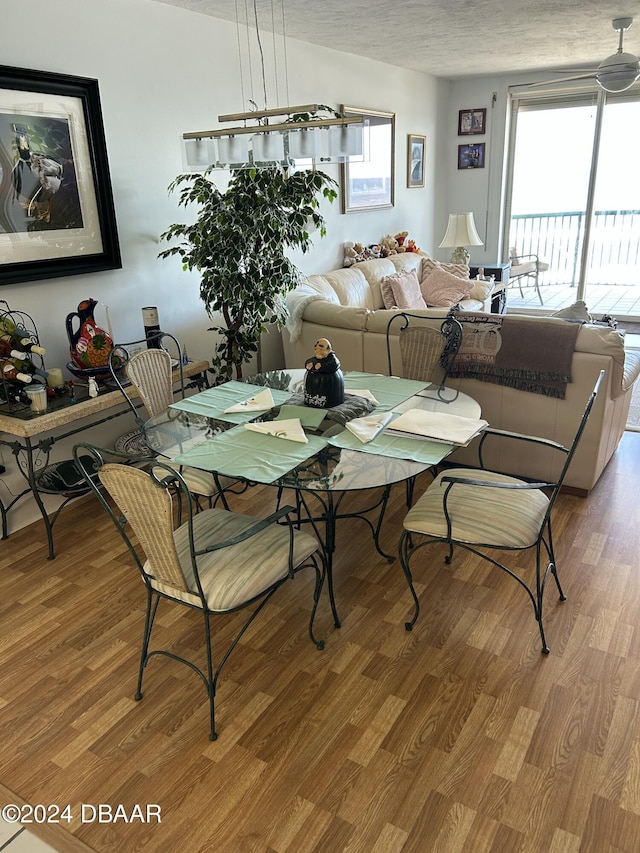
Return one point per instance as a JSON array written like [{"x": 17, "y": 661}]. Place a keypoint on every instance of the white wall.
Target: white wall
[{"x": 162, "y": 71}]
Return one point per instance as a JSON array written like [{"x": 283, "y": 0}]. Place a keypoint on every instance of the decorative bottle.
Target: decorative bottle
[
  {"x": 10, "y": 371},
  {"x": 18, "y": 337},
  {"x": 7, "y": 352},
  {"x": 26, "y": 366}
]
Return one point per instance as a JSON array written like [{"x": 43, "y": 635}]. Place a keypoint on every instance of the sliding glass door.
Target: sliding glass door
[{"x": 574, "y": 201}]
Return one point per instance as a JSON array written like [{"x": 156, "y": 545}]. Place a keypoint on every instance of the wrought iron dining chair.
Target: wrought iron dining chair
[
  {"x": 525, "y": 268},
  {"x": 427, "y": 350},
  {"x": 151, "y": 371},
  {"x": 483, "y": 511},
  {"x": 214, "y": 561}
]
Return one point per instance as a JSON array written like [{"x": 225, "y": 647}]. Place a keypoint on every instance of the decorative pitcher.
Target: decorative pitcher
[{"x": 89, "y": 345}]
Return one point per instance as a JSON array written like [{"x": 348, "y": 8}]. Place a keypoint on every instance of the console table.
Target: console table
[{"x": 31, "y": 439}]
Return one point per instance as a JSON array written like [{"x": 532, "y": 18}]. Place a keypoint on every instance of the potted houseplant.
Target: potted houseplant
[{"x": 238, "y": 243}]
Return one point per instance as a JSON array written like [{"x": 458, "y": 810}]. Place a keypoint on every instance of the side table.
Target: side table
[
  {"x": 31, "y": 438},
  {"x": 501, "y": 274}
]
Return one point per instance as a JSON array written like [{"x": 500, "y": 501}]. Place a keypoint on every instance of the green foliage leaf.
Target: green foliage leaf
[{"x": 237, "y": 243}]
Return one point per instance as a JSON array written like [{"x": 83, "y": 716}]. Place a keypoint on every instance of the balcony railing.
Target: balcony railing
[{"x": 614, "y": 255}]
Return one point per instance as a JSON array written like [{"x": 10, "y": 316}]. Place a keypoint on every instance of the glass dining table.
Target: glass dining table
[{"x": 325, "y": 461}]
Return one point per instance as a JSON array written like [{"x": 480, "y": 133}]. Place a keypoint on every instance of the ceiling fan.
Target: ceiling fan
[{"x": 617, "y": 72}]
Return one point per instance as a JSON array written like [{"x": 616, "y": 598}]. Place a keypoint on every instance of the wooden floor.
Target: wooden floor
[{"x": 459, "y": 736}]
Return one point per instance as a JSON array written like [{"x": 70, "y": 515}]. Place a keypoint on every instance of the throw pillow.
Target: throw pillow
[
  {"x": 480, "y": 290},
  {"x": 405, "y": 289},
  {"x": 429, "y": 265},
  {"x": 440, "y": 289},
  {"x": 576, "y": 312}
]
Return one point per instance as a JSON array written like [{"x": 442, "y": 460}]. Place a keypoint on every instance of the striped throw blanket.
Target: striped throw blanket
[{"x": 524, "y": 353}]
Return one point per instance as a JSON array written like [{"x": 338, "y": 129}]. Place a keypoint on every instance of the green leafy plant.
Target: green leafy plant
[{"x": 238, "y": 243}]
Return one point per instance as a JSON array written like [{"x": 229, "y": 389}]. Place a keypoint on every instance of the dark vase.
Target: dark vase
[{"x": 323, "y": 383}]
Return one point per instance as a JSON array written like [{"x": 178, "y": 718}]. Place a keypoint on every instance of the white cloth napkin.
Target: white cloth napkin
[
  {"x": 291, "y": 429},
  {"x": 261, "y": 402},
  {"x": 368, "y": 427},
  {"x": 362, "y": 393},
  {"x": 437, "y": 426}
]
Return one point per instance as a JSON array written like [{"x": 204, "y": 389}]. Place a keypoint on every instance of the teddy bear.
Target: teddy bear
[
  {"x": 389, "y": 246},
  {"x": 350, "y": 254},
  {"x": 401, "y": 237}
]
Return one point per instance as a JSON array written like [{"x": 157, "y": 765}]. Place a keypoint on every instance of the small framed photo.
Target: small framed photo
[
  {"x": 415, "y": 160},
  {"x": 471, "y": 122},
  {"x": 471, "y": 156}
]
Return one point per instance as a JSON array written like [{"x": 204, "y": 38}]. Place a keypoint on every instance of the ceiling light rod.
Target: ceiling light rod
[
  {"x": 304, "y": 108},
  {"x": 271, "y": 128}
]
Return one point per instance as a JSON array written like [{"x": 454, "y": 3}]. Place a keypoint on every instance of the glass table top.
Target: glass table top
[{"x": 213, "y": 443}]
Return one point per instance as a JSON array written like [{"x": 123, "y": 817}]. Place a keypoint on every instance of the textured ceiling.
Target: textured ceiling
[{"x": 448, "y": 38}]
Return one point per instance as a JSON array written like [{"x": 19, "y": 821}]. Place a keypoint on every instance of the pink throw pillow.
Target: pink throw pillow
[
  {"x": 429, "y": 265},
  {"x": 440, "y": 289},
  {"x": 405, "y": 288}
]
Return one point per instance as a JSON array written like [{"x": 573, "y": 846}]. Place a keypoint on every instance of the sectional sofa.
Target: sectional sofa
[{"x": 346, "y": 306}]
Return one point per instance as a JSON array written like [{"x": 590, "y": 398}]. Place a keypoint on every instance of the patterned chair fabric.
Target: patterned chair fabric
[
  {"x": 215, "y": 561},
  {"x": 477, "y": 509}
]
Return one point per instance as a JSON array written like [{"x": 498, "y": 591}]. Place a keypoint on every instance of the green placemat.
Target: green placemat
[
  {"x": 214, "y": 401},
  {"x": 309, "y": 417},
  {"x": 248, "y": 455},
  {"x": 389, "y": 391},
  {"x": 417, "y": 450}
]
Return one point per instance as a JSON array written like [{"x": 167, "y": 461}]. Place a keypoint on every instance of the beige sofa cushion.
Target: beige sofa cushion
[
  {"x": 375, "y": 270},
  {"x": 318, "y": 284},
  {"x": 351, "y": 287}
]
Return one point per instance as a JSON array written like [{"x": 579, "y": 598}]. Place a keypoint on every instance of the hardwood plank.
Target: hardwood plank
[{"x": 457, "y": 736}]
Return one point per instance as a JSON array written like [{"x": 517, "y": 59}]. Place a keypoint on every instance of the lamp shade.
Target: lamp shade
[{"x": 461, "y": 231}]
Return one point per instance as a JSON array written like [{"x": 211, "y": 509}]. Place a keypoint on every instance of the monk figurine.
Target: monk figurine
[{"x": 323, "y": 381}]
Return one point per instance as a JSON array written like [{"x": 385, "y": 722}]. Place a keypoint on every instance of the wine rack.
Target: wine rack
[{"x": 10, "y": 400}]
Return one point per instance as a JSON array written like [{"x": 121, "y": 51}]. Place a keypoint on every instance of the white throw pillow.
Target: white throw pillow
[{"x": 480, "y": 290}]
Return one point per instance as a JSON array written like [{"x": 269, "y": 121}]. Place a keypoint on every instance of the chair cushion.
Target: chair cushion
[
  {"x": 443, "y": 290},
  {"x": 402, "y": 290},
  {"x": 235, "y": 575},
  {"x": 480, "y": 515}
]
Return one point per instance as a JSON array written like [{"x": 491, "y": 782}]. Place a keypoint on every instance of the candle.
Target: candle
[
  {"x": 54, "y": 377},
  {"x": 109, "y": 327}
]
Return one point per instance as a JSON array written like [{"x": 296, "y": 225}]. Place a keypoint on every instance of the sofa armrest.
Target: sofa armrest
[{"x": 336, "y": 316}]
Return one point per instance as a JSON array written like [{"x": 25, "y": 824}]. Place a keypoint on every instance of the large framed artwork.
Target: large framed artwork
[
  {"x": 368, "y": 181},
  {"x": 56, "y": 205}
]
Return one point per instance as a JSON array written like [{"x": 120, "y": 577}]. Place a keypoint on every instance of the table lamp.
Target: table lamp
[{"x": 461, "y": 232}]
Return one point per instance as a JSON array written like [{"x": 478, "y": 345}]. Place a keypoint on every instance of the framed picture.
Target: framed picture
[
  {"x": 471, "y": 156},
  {"x": 472, "y": 122},
  {"x": 56, "y": 206},
  {"x": 415, "y": 160},
  {"x": 368, "y": 180}
]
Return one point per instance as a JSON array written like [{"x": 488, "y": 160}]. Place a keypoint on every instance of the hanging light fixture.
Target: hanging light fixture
[{"x": 298, "y": 133}]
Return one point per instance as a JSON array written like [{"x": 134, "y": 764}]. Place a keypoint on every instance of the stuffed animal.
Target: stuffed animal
[
  {"x": 374, "y": 251},
  {"x": 350, "y": 254},
  {"x": 401, "y": 237},
  {"x": 411, "y": 246},
  {"x": 389, "y": 246}
]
